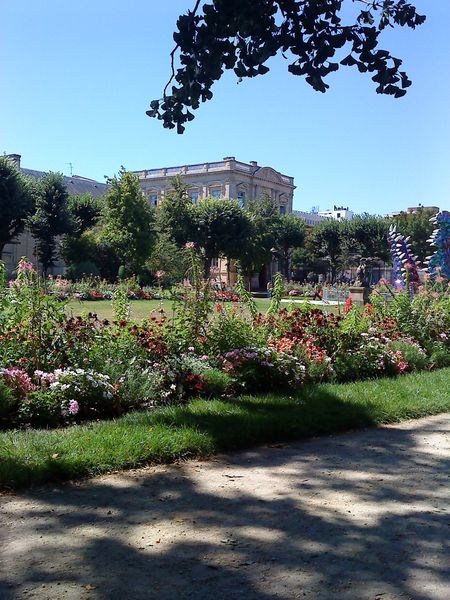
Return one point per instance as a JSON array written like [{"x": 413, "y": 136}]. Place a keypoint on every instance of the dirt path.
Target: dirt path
[{"x": 358, "y": 516}]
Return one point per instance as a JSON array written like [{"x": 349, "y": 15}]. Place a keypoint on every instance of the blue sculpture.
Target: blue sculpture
[
  {"x": 405, "y": 272},
  {"x": 439, "y": 262}
]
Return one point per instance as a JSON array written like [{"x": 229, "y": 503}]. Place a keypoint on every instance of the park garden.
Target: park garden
[{"x": 210, "y": 361}]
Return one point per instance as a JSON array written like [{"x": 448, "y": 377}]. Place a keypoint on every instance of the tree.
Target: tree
[
  {"x": 291, "y": 234},
  {"x": 51, "y": 218},
  {"x": 220, "y": 228},
  {"x": 418, "y": 226},
  {"x": 84, "y": 211},
  {"x": 79, "y": 248},
  {"x": 256, "y": 253},
  {"x": 173, "y": 215},
  {"x": 17, "y": 196},
  {"x": 127, "y": 224},
  {"x": 168, "y": 261},
  {"x": 244, "y": 34},
  {"x": 367, "y": 235},
  {"x": 326, "y": 243}
]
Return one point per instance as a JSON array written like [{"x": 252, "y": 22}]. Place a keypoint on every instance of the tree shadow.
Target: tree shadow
[{"x": 361, "y": 515}]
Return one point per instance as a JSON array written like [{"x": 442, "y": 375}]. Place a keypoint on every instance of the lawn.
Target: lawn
[
  {"x": 141, "y": 309},
  {"x": 203, "y": 427}
]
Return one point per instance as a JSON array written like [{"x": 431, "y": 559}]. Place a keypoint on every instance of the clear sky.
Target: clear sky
[{"x": 77, "y": 77}]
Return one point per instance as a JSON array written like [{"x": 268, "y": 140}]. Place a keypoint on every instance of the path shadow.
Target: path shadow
[{"x": 356, "y": 516}]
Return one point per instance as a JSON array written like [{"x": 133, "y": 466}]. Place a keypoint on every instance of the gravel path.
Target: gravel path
[{"x": 357, "y": 516}]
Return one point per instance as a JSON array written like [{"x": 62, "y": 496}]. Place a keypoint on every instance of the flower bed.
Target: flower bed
[{"x": 57, "y": 370}]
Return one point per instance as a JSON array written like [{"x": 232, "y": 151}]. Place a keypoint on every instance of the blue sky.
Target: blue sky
[{"x": 79, "y": 77}]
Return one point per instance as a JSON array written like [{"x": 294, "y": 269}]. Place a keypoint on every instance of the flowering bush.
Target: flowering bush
[
  {"x": 264, "y": 368},
  {"x": 225, "y": 296},
  {"x": 56, "y": 369}
]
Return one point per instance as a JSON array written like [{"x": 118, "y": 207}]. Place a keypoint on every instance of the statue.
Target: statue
[{"x": 362, "y": 274}]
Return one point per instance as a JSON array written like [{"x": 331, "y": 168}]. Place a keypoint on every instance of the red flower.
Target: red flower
[{"x": 348, "y": 304}]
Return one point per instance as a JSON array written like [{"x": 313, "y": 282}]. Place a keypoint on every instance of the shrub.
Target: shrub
[
  {"x": 93, "y": 392},
  {"x": 263, "y": 368},
  {"x": 413, "y": 354},
  {"x": 8, "y": 401},
  {"x": 440, "y": 356},
  {"x": 216, "y": 383},
  {"x": 230, "y": 329},
  {"x": 41, "y": 408}
]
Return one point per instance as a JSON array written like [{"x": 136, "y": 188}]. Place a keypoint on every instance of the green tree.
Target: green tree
[
  {"x": 127, "y": 224},
  {"x": 417, "y": 225},
  {"x": 173, "y": 215},
  {"x": 84, "y": 211},
  {"x": 256, "y": 253},
  {"x": 317, "y": 37},
  {"x": 220, "y": 227},
  {"x": 326, "y": 243},
  {"x": 367, "y": 235},
  {"x": 17, "y": 197},
  {"x": 168, "y": 260},
  {"x": 51, "y": 218},
  {"x": 291, "y": 235}
]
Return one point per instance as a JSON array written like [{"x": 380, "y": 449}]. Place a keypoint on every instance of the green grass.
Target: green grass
[
  {"x": 140, "y": 309},
  {"x": 204, "y": 427}
]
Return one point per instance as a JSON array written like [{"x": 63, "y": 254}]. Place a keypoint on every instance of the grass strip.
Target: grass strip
[{"x": 203, "y": 427}]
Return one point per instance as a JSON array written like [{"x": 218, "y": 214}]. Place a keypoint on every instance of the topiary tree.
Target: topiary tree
[
  {"x": 51, "y": 218},
  {"x": 291, "y": 234},
  {"x": 243, "y": 35},
  {"x": 127, "y": 224},
  {"x": 17, "y": 197},
  {"x": 220, "y": 228}
]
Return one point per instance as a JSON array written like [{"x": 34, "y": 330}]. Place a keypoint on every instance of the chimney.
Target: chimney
[
  {"x": 253, "y": 163},
  {"x": 15, "y": 159},
  {"x": 229, "y": 158}
]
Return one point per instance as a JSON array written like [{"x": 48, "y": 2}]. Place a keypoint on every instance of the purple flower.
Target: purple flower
[{"x": 73, "y": 407}]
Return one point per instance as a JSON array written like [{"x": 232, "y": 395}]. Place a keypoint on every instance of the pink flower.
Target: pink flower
[
  {"x": 191, "y": 349},
  {"x": 24, "y": 266},
  {"x": 73, "y": 407},
  {"x": 18, "y": 380},
  {"x": 160, "y": 274},
  {"x": 189, "y": 245}
]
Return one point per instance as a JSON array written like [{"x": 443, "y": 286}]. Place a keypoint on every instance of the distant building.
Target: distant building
[
  {"x": 24, "y": 246},
  {"x": 228, "y": 178},
  {"x": 310, "y": 218},
  {"x": 412, "y": 210},
  {"x": 338, "y": 213}
]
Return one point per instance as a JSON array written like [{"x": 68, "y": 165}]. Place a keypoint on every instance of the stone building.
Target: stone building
[
  {"x": 228, "y": 178},
  {"x": 24, "y": 245}
]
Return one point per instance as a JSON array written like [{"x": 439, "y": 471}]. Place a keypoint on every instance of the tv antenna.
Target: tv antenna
[{"x": 71, "y": 168}]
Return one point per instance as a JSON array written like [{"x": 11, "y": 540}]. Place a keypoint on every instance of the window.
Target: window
[
  {"x": 241, "y": 199},
  {"x": 214, "y": 262},
  {"x": 153, "y": 199},
  {"x": 282, "y": 210},
  {"x": 194, "y": 197},
  {"x": 216, "y": 193}
]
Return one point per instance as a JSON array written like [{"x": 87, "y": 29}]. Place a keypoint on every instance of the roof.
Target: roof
[{"x": 75, "y": 185}]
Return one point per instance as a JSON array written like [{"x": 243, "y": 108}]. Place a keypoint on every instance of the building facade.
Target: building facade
[
  {"x": 25, "y": 244},
  {"x": 228, "y": 178}
]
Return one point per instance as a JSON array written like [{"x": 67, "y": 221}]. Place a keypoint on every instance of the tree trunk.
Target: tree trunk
[{"x": 207, "y": 265}]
